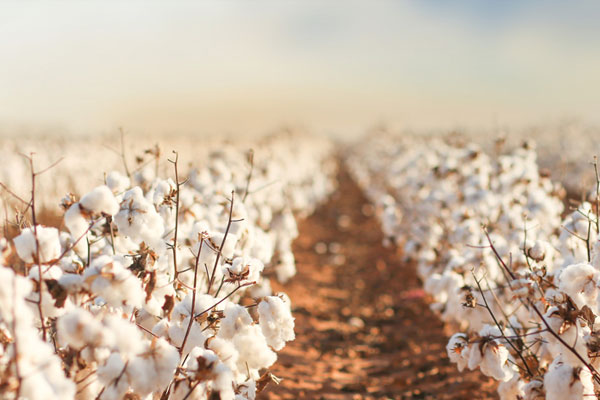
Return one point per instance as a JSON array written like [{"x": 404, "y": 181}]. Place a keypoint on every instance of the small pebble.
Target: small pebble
[
  {"x": 368, "y": 210},
  {"x": 344, "y": 222},
  {"x": 356, "y": 322},
  {"x": 321, "y": 248},
  {"x": 338, "y": 260},
  {"x": 335, "y": 248}
]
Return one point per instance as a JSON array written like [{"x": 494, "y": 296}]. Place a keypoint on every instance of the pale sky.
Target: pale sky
[{"x": 249, "y": 66}]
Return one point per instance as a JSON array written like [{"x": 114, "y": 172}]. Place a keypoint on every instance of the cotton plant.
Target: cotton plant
[
  {"x": 158, "y": 286},
  {"x": 497, "y": 258}
]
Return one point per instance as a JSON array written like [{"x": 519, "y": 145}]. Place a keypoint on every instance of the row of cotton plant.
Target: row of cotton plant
[
  {"x": 501, "y": 266},
  {"x": 158, "y": 287}
]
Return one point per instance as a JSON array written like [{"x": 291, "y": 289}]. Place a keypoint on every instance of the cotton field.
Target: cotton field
[
  {"x": 147, "y": 273},
  {"x": 157, "y": 286}
]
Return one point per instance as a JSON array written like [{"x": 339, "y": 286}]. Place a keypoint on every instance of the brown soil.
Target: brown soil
[{"x": 363, "y": 325}]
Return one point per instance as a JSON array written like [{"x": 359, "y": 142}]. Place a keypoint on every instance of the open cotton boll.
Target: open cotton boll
[
  {"x": 117, "y": 182},
  {"x": 153, "y": 369},
  {"x": 490, "y": 355},
  {"x": 108, "y": 374},
  {"x": 575, "y": 334},
  {"x": 138, "y": 219},
  {"x": 72, "y": 283},
  {"x": 563, "y": 382},
  {"x": 100, "y": 200},
  {"x": 48, "y": 303},
  {"x": 41, "y": 370},
  {"x": 246, "y": 268},
  {"x": 48, "y": 240},
  {"x": 226, "y": 352},
  {"x": 512, "y": 389},
  {"x": 196, "y": 336},
  {"x": 538, "y": 251},
  {"x": 236, "y": 318},
  {"x": 161, "y": 191},
  {"x": 123, "y": 336},
  {"x": 534, "y": 390},
  {"x": 203, "y": 362},
  {"x": 579, "y": 281},
  {"x": 78, "y": 328},
  {"x": 458, "y": 350},
  {"x": 116, "y": 284},
  {"x": 75, "y": 222},
  {"x": 286, "y": 267},
  {"x": 254, "y": 352},
  {"x": 276, "y": 321}
]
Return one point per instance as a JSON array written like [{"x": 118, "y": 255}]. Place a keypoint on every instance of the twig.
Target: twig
[
  {"x": 251, "y": 161},
  {"x": 37, "y": 248},
  {"x": 193, "y": 308},
  {"x": 229, "y": 221},
  {"x": 239, "y": 286},
  {"x": 500, "y": 327},
  {"x": 548, "y": 327},
  {"x": 178, "y": 188},
  {"x": 123, "y": 152}
]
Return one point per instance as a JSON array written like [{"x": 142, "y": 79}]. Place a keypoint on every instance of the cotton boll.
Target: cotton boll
[
  {"x": 115, "y": 283},
  {"x": 100, "y": 200},
  {"x": 512, "y": 389},
  {"x": 286, "y": 267},
  {"x": 113, "y": 367},
  {"x": 47, "y": 379},
  {"x": 236, "y": 319},
  {"x": 122, "y": 336},
  {"x": 48, "y": 240},
  {"x": 161, "y": 190},
  {"x": 138, "y": 219},
  {"x": 246, "y": 267},
  {"x": 40, "y": 368},
  {"x": 202, "y": 362},
  {"x": 247, "y": 391},
  {"x": 490, "y": 355},
  {"x": 196, "y": 337},
  {"x": 276, "y": 322},
  {"x": 253, "y": 350},
  {"x": 181, "y": 319},
  {"x": 538, "y": 251},
  {"x": 72, "y": 283},
  {"x": 223, "y": 382},
  {"x": 228, "y": 248},
  {"x": 458, "y": 350},
  {"x": 570, "y": 333},
  {"x": 534, "y": 390},
  {"x": 226, "y": 351},
  {"x": 161, "y": 329},
  {"x": 153, "y": 369},
  {"x": 563, "y": 382},
  {"x": 117, "y": 182},
  {"x": 263, "y": 245},
  {"x": 78, "y": 328},
  {"x": 579, "y": 281},
  {"x": 75, "y": 221},
  {"x": 183, "y": 309},
  {"x": 112, "y": 377}
]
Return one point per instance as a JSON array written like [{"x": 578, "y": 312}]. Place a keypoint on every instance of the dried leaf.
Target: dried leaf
[
  {"x": 58, "y": 293},
  {"x": 264, "y": 380},
  {"x": 588, "y": 315},
  {"x": 168, "y": 306}
]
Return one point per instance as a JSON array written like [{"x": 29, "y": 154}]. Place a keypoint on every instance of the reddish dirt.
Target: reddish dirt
[{"x": 363, "y": 325}]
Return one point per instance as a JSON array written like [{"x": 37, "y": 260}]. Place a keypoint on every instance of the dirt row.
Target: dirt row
[{"x": 363, "y": 325}]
